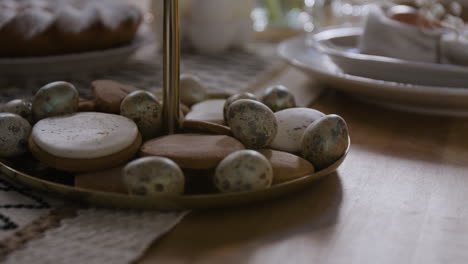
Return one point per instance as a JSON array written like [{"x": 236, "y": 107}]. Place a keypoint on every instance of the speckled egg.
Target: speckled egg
[
  {"x": 21, "y": 107},
  {"x": 234, "y": 98},
  {"x": 143, "y": 108},
  {"x": 192, "y": 90},
  {"x": 325, "y": 141},
  {"x": 153, "y": 175},
  {"x": 278, "y": 98},
  {"x": 14, "y": 133},
  {"x": 292, "y": 123},
  {"x": 243, "y": 170},
  {"x": 252, "y": 122},
  {"x": 54, "y": 99}
]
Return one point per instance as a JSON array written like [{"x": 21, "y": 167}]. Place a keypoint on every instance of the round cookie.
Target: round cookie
[
  {"x": 153, "y": 175},
  {"x": 109, "y": 95},
  {"x": 196, "y": 126},
  {"x": 192, "y": 151},
  {"x": 209, "y": 110},
  {"x": 286, "y": 166},
  {"x": 85, "y": 141},
  {"x": 243, "y": 170},
  {"x": 292, "y": 123},
  {"x": 252, "y": 122},
  {"x": 54, "y": 99},
  {"x": 86, "y": 105},
  {"x": 109, "y": 180},
  {"x": 14, "y": 133}
]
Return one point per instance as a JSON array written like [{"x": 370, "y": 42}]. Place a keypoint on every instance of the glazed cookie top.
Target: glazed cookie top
[
  {"x": 32, "y": 17},
  {"x": 84, "y": 135}
]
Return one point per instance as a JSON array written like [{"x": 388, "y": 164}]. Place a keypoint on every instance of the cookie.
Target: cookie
[
  {"x": 292, "y": 123},
  {"x": 85, "y": 141},
  {"x": 86, "y": 105},
  {"x": 109, "y": 94},
  {"x": 192, "y": 151},
  {"x": 196, "y": 126},
  {"x": 209, "y": 110},
  {"x": 287, "y": 166},
  {"x": 109, "y": 180}
]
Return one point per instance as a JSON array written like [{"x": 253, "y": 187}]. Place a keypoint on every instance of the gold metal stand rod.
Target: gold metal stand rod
[{"x": 171, "y": 67}]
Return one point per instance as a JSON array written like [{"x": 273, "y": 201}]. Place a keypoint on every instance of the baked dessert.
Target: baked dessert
[
  {"x": 88, "y": 141},
  {"x": 54, "y": 27}
]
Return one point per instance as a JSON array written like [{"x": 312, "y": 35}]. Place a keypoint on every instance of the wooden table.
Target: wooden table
[{"x": 400, "y": 197}]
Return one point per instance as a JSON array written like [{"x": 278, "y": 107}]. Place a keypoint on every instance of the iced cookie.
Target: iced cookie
[
  {"x": 84, "y": 141},
  {"x": 292, "y": 123},
  {"x": 209, "y": 110},
  {"x": 192, "y": 151}
]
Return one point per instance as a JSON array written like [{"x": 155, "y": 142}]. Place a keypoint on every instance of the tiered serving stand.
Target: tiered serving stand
[{"x": 15, "y": 169}]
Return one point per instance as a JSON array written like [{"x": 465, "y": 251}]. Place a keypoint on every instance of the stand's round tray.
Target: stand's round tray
[{"x": 164, "y": 202}]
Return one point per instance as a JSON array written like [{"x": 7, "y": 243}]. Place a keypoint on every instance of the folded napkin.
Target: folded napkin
[
  {"x": 37, "y": 229},
  {"x": 383, "y": 36}
]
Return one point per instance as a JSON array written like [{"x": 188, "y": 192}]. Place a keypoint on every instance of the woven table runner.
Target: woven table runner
[
  {"x": 38, "y": 229},
  {"x": 226, "y": 73}
]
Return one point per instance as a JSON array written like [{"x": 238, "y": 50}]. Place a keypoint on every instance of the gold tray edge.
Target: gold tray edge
[{"x": 166, "y": 202}]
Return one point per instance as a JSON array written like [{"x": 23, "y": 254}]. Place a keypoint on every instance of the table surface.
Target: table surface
[{"x": 400, "y": 197}]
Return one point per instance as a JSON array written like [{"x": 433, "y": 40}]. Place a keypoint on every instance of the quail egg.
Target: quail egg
[
  {"x": 143, "y": 108},
  {"x": 14, "y": 133},
  {"x": 53, "y": 99},
  {"x": 153, "y": 175},
  {"x": 325, "y": 141},
  {"x": 243, "y": 170},
  {"x": 253, "y": 123}
]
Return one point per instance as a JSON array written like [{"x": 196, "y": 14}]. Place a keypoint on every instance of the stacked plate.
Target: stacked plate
[{"x": 332, "y": 56}]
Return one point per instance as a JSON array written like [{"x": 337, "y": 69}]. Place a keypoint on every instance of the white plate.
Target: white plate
[
  {"x": 341, "y": 45},
  {"x": 433, "y": 99},
  {"x": 67, "y": 64}
]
